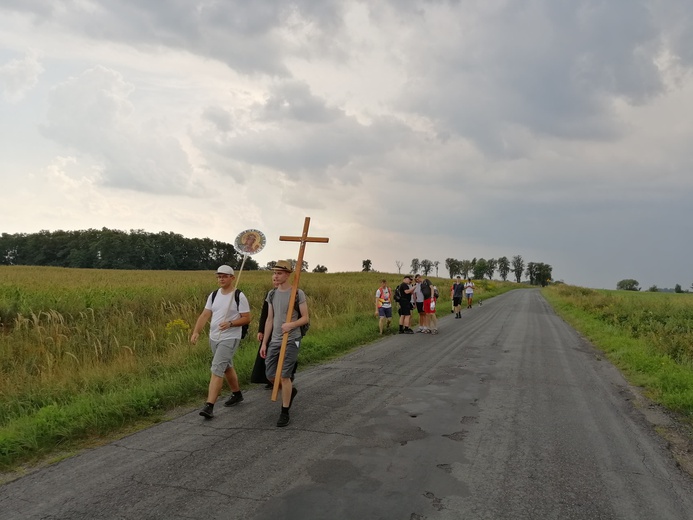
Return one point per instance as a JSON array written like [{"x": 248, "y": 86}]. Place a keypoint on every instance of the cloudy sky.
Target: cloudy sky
[{"x": 559, "y": 130}]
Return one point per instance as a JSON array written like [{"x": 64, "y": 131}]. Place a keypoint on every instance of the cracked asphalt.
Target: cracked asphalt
[{"x": 506, "y": 414}]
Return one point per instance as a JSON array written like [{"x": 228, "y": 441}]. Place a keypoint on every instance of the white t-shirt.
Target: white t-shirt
[
  {"x": 418, "y": 293},
  {"x": 469, "y": 287},
  {"x": 224, "y": 309}
]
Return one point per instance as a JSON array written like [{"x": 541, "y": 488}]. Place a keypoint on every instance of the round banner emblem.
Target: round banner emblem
[{"x": 250, "y": 241}]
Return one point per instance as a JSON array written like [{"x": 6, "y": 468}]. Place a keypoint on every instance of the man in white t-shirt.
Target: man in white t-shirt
[
  {"x": 228, "y": 318},
  {"x": 469, "y": 292}
]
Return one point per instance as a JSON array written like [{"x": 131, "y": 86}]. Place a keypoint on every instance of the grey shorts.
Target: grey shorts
[
  {"x": 223, "y": 352},
  {"x": 290, "y": 358}
]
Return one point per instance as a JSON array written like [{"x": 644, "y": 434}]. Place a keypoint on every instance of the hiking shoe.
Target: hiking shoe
[
  {"x": 208, "y": 411},
  {"x": 269, "y": 385},
  {"x": 283, "y": 419},
  {"x": 434, "y": 331},
  {"x": 234, "y": 400},
  {"x": 408, "y": 331},
  {"x": 294, "y": 391}
]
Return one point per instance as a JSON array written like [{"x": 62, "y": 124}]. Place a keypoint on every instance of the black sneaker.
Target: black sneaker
[
  {"x": 283, "y": 419},
  {"x": 208, "y": 411},
  {"x": 294, "y": 391},
  {"x": 269, "y": 385},
  {"x": 408, "y": 331},
  {"x": 234, "y": 400}
]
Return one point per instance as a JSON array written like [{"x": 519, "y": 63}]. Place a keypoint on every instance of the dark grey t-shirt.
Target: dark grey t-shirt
[{"x": 280, "y": 306}]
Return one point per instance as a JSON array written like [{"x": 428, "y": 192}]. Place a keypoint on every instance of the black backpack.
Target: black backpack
[
  {"x": 244, "y": 328},
  {"x": 398, "y": 293},
  {"x": 426, "y": 289},
  {"x": 304, "y": 328}
]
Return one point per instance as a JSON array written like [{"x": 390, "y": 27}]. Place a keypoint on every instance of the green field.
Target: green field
[{"x": 84, "y": 353}]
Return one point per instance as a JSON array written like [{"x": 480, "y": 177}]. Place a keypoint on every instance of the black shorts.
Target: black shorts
[
  {"x": 404, "y": 308},
  {"x": 419, "y": 307},
  {"x": 457, "y": 301}
]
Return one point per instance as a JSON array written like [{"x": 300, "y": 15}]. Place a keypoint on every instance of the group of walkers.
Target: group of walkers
[
  {"x": 409, "y": 295},
  {"x": 230, "y": 312},
  {"x": 421, "y": 295}
]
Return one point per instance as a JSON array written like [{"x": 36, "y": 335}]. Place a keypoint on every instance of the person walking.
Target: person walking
[
  {"x": 469, "y": 292},
  {"x": 457, "y": 294},
  {"x": 275, "y": 328},
  {"x": 419, "y": 298},
  {"x": 430, "y": 308},
  {"x": 228, "y": 315},
  {"x": 383, "y": 306},
  {"x": 426, "y": 289},
  {"x": 405, "y": 290}
]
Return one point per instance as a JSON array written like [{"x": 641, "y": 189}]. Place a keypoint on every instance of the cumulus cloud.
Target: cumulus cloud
[
  {"x": 18, "y": 76},
  {"x": 93, "y": 114},
  {"x": 296, "y": 132}
]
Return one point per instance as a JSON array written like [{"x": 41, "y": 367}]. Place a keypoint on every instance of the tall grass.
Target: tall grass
[
  {"x": 84, "y": 352},
  {"x": 648, "y": 335}
]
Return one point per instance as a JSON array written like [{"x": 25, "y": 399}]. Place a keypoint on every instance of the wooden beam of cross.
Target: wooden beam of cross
[{"x": 292, "y": 298}]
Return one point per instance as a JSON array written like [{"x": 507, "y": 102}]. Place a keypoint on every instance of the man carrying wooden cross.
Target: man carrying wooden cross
[{"x": 276, "y": 326}]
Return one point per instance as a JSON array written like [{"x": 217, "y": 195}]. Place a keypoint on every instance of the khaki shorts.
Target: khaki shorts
[{"x": 223, "y": 352}]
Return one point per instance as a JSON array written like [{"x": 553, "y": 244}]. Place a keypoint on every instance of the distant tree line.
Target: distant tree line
[
  {"x": 538, "y": 273},
  {"x": 114, "y": 249},
  {"x": 629, "y": 284}
]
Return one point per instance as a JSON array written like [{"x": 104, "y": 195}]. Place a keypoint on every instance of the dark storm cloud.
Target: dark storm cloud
[{"x": 552, "y": 67}]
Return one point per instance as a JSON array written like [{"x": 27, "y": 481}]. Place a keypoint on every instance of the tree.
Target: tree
[
  {"x": 399, "y": 265},
  {"x": 320, "y": 269},
  {"x": 654, "y": 288},
  {"x": 539, "y": 273},
  {"x": 465, "y": 268},
  {"x": 366, "y": 266},
  {"x": 114, "y": 249},
  {"x": 518, "y": 267},
  {"x": 293, "y": 262},
  {"x": 426, "y": 266},
  {"x": 453, "y": 266},
  {"x": 490, "y": 268},
  {"x": 503, "y": 267},
  {"x": 544, "y": 274},
  {"x": 628, "y": 285},
  {"x": 436, "y": 264},
  {"x": 479, "y": 268},
  {"x": 271, "y": 264},
  {"x": 677, "y": 288},
  {"x": 415, "y": 264}
]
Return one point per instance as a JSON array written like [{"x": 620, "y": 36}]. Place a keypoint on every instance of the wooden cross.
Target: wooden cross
[{"x": 292, "y": 298}]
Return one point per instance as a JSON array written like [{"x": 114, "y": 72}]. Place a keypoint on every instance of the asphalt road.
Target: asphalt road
[{"x": 506, "y": 414}]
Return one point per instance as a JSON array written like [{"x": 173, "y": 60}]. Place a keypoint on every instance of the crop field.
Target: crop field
[{"x": 87, "y": 352}]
